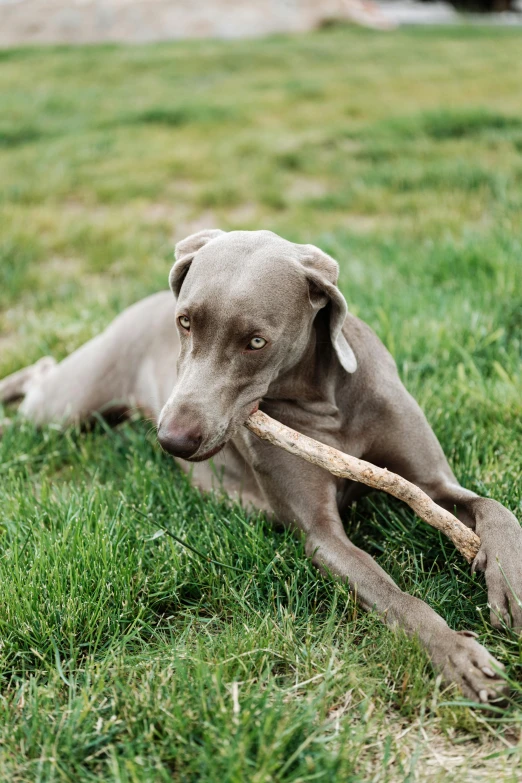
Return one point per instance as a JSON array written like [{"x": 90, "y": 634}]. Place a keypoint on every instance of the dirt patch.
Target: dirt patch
[
  {"x": 429, "y": 754},
  {"x": 302, "y": 188},
  {"x": 243, "y": 214},
  {"x": 362, "y": 223}
]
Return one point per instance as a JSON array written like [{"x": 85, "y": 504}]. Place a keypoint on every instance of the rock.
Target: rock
[
  {"x": 89, "y": 21},
  {"x": 141, "y": 21}
]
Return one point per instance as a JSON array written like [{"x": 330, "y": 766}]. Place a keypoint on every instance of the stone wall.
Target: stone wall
[{"x": 87, "y": 21}]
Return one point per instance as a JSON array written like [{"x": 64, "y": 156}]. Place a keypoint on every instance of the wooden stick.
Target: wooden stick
[{"x": 345, "y": 466}]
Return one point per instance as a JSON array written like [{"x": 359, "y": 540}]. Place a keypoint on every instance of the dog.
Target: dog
[{"x": 258, "y": 321}]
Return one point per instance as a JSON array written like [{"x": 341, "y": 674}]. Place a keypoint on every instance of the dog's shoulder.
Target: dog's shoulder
[{"x": 372, "y": 355}]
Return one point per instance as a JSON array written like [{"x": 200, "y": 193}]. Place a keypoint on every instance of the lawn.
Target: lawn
[{"x": 126, "y": 656}]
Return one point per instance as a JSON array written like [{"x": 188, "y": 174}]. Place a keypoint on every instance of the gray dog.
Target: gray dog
[{"x": 259, "y": 321}]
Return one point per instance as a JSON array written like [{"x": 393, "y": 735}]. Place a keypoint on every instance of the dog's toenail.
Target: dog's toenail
[{"x": 483, "y": 696}]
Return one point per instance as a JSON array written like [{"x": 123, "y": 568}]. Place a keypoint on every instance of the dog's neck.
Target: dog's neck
[{"x": 310, "y": 383}]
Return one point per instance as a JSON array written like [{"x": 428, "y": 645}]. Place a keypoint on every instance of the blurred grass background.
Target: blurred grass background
[{"x": 401, "y": 155}]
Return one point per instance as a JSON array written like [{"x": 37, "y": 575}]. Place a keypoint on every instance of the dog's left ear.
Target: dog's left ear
[
  {"x": 184, "y": 253},
  {"x": 322, "y": 272}
]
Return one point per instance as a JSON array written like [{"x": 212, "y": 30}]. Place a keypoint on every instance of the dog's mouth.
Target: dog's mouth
[{"x": 216, "y": 449}]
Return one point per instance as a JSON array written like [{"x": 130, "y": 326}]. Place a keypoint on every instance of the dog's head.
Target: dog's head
[{"x": 246, "y": 303}]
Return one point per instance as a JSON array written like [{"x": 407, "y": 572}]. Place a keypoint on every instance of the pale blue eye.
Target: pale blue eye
[
  {"x": 184, "y": 321},
  {"x": 256, "y": 343}
]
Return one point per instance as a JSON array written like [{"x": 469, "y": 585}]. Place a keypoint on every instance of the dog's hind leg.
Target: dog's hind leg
[
  {"x": 82, "y": 385},
  {"x": 97, "y": 378},
  {"x": 16, "y": 386},
  {"x": 130, "y": 366}
]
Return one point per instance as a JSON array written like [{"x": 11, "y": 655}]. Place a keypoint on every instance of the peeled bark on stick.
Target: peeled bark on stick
[{"x": 345, "y": 466}]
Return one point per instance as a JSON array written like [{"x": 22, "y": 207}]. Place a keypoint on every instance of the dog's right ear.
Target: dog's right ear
[{"x": 184, "y": 253}]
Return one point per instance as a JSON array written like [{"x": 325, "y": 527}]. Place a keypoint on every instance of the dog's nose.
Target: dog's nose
[{"x": 179, "y": 442}]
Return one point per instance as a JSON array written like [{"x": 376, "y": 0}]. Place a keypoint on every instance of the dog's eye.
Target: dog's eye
[
  {"x": 184, "y": 322},
  {"x": 256, "y": 343}
]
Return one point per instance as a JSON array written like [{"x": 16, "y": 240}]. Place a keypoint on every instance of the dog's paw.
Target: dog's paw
[
  {"x": 465, "y": 662},
  {"x": 501, "y": 560}
]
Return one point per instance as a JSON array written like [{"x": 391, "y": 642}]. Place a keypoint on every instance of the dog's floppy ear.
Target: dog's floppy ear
[
  {"x": 184, "y": 253},
  {"x": 322, "y": 272}
]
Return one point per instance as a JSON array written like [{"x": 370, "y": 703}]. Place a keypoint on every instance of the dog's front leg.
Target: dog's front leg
[
  {"x": 457, "y": 655},
  {"x": 500, "y": 553},
  {"x": 408, "y": 446},
  {"x": 304, "y": 496}
]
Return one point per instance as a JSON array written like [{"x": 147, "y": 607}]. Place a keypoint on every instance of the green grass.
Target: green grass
[{"x": 125, "y": 656}]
